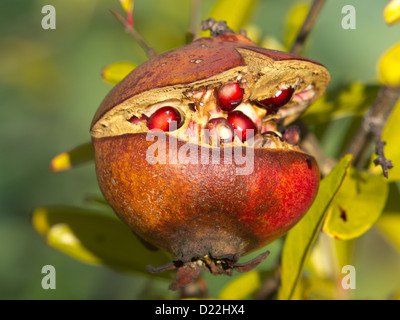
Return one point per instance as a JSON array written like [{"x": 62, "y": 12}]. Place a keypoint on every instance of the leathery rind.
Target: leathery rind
[{"x": 209, "y": 214}]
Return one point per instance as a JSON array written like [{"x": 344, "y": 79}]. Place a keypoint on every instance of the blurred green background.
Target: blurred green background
[{"x": 50, "y": 87}]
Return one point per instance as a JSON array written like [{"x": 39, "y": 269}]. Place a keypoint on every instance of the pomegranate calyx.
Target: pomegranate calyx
[{"x": 188, "y": 272}]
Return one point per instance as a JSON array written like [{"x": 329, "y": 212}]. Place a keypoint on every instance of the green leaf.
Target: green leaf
[
  {"x": 294, "y": 20},
  {"x": 96, "y": 239},
  {"x": 349, "y": 100},
  {"x": 241, "y": 287},
  {"x": 115, "y": 72},
  {"x": 235, "y": 12},
  {"x": 67, "y": 160},
  {"x": 389, "y": 221},
  {"x": 357, "y": 206},
  {"x": 300, "y": 239}
]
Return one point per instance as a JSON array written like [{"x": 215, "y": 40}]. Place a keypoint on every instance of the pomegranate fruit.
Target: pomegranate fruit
[{"x": 204, "y": 202}]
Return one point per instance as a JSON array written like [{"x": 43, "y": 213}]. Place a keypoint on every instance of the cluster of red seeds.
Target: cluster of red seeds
[{"x": 228, "y": 97}]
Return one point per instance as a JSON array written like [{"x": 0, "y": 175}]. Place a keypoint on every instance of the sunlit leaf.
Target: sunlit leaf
[
  {"x": 253, "y": 32},
  {"x": 127, "y": 5},
  {"x": 115, "y": 72},
  {"x": 357, "y": 205},
  {"x": 391, "y": 12},
  {"x": 344, "y": 252},
  {"x": 321, "y": 262},
  {"x": 270, "y": 42},
  {"x": 235, "y": 12},
  {"x": 300, "y": 239},
  {"x": 67, "y": 160},
  {"x": 95, "y": 238},
  {"x": 350, "y": 100},
  {"x": 391, "y": 135},
  {"x": 317, "y": 288},
  {"x": 389, "y": 65},
  {"x": 294, "y": 20},
  {"x": 241, "y": 287},
  {"x": 389, "y": 222}
]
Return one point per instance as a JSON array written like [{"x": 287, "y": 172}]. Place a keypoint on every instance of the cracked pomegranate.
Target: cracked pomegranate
[{"x": 186, "y": 108}]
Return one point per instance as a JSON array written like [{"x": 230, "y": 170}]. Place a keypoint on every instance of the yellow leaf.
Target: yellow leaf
[
  {"x": 270, "y": 42},
  {"x": 391, "y": 13},
  {"x": 127, "y": 5},
  {"x": 300, "y": 239},
  {"x": 241, "y": 287},
  {"x": 389, "y": 222},
  {"x": 67, "y": 160},
  {"x": 115, "y": 72},
  {"x": 61, "y": 237},
  {"x": 389, "y": 65},
  {"x": 357, "y": 206},
  {"x": 235, "y": 12},
  {"x": 96, "y": 238},
  {"x": 294, "y": 20},
  {"x": 391, "y": 135}
]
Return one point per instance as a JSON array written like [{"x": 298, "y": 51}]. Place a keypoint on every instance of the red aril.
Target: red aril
[
  {"x": 282, "y": 97},
  {"x": 241, "y": 123},
  {"x": 229, "y": 96},
  {"x": 161, "y": 119},
  {"x": 221, "y": 129}
]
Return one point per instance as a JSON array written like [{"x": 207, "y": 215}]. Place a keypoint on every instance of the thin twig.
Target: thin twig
[
  {"x": 372, "y": 126},
  {"x": 308, "y": 24},
  {"x": 310, "y": 144},
  {"x": 195, "y": 18},
  {"x": 309, "y": 141},
  {"x": 130, "y": 29}
]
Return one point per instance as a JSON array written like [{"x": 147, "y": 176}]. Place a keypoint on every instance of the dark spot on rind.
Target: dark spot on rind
[{"x": 309, "y": 163}]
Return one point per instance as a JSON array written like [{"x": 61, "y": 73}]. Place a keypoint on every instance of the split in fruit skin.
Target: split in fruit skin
[{"x": 227, "y": 116}]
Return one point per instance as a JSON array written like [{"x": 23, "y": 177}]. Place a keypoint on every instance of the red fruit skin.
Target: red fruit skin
[
  {"x": 229, "y": 96},
  {"x": 194, "y": 210}
]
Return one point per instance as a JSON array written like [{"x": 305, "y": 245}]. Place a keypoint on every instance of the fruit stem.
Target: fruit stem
[
  {"x": 307, "y": 26},
  {"x": 216, "y": 28},
  {"x": 151, "y": 53},
  {"x": 372, "y": 125}
]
